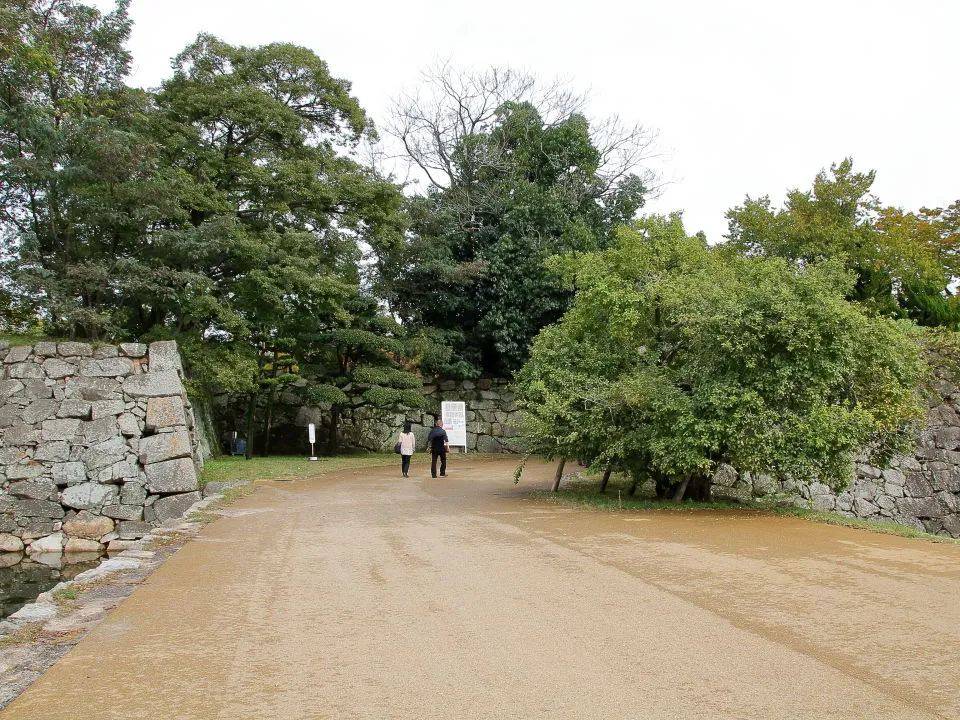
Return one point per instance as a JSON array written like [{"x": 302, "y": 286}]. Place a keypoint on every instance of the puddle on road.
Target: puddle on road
[{"x": 23, "y": 578}]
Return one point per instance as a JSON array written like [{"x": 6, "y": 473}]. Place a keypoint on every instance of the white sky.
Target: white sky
[{"x": 749, "y": 96}]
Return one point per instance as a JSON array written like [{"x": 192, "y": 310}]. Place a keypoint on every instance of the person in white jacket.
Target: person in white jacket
[{"x": 407, "y": 442}]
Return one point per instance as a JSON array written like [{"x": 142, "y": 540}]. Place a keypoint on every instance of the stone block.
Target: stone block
[
  {"x": 11, "y": 415},
  {"x": 92, "y": 389},
  {"x": 174, "y": 506},
  {"x": 24, "y": 472},
  {"x": 925, "y": 507},
  {"x": 75, "y": 349},
  {"x": 40, "y": 410},
  {"x": 52, "y": 543},
  {"x": 124, "y": 470},
  {"x": 133, "y": 530},
  {"x": 109, "y": 368},
  {"x": 26, "y": 371},
  {"x": 133, "y": 493},
  {"x": 106, "y": 351},
  {"x": 129, "y": 425},
  {"x": 893, "y": 490},
  {"x": 165, "y": 355},
  {"x": 75, "y": 546},
  {"x": 38, "y": 528},
  {"x": 488, "y": 444},
  {"x": 153, "y": 384},
  {"x": 10, "y": 543},
  {"x": 885, "y": 502},
  {"x": 20, "y": 436},
  {"x": 865, "y": 490},
  {"x": 165, "y": 412},
  {"x": 74, "y": 409},
  {"x": 951, "y": 525},
  {"x": 69, "y": 473},
  {"x": 25, "y": 507},
  {"x": 104, "y": 454},
  {"x": 87, "y": 525},
  {"x": 17, "y": 354},
  {"x": 133, "y": 350},
  {"x": 37, "y": 389},
  {"x": 824, "y": 503},
  {"x": 65, "y": 429},
  {"x": 97, "y": 431},
  {"x": 9, "y": 388},
  {"x": 172, "y": 476},
  {"x": 100, "y": 409},
  {"x": 46, "y": 349},
  {"x": 89, "y": 496},
  {"x": 58, "y": 369},
  {"x": 917, "y": 485},
  {"x": 32, "y": 489},
  {"x": 166, "y": 446},
  {"x": 947, "y": 438},
  {"x": 123, "y": 512}
]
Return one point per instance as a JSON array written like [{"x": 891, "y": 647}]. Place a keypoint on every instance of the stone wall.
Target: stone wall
[
  {"x": 491, "y": 419},
  {"x": 920, "y": 489},
  {"x": 97, "y": 445}
]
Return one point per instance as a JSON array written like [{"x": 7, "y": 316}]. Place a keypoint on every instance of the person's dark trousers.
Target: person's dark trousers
[
  {"x": 404, "y": 464},
  {"x": 443, "y": 463}
]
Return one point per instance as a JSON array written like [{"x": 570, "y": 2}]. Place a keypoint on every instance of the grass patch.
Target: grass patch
[
  {"x": 24, "y": 635},
  {"x": 584, "y": 493},
  {"x": 16, "y": 339},
  {"x": 887, "y": 528},
  {"x": 227, "y": 469},
  {"x": 65, "y": 595}
]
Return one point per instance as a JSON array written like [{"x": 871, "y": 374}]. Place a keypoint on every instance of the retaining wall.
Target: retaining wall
[
  {"x": 97, "y": 445},
  {"x": 491, "y": 419}
]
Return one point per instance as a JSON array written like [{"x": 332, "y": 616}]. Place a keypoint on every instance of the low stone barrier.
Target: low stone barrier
[{"x": 97, "y": 445}]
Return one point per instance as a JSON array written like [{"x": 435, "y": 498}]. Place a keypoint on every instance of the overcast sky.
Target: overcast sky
[{"x": 748, "y": 96}]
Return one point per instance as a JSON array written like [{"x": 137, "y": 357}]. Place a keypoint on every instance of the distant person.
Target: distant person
[
  {"x": 438, "y": 444},
  {"x": 408, "y": 442}
]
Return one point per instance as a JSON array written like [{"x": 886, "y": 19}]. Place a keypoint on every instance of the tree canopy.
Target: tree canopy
[{"x": 675, "y": 357}]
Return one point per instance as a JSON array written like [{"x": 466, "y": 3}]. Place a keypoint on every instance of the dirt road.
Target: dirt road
[{"x": 366, "y": 595}]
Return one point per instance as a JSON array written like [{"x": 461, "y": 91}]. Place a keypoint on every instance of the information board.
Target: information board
[{"x": 454, "y": 416}]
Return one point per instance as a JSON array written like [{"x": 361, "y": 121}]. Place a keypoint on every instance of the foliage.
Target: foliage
[
  {"x": 675, "y": 357},
  {"x": 517, "y": 175},
  {"x": 364, "y": 357},
  {"x": 903, "y": 263}
]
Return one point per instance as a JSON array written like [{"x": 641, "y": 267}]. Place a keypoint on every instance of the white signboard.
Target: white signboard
[
  {"x": 311, "y": 433},
  {"x": 454, "y": 416}
]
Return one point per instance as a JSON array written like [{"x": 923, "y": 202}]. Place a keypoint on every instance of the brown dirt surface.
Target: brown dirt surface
[{"x": 366, "y": 595}]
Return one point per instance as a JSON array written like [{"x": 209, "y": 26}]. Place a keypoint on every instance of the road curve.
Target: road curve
[{"x": 366, "y": 595}]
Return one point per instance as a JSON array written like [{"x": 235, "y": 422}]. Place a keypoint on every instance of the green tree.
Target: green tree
[
  {"x": 675, "y": 357},
  {"x": 78, "y": 182},
  {"x": 838, "y": 219},
  {"x": 516, "y": 174},
  {"x": 363, "y": 364}
]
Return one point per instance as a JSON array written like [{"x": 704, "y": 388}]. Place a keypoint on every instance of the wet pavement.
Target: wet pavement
[{"x": 367, "y": 595}]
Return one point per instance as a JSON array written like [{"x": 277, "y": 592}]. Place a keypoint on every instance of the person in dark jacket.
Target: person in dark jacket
[{"x": 438, "y": 444}]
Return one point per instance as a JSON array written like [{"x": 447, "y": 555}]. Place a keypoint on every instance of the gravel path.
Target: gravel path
[{"x": 366, "y": 595}]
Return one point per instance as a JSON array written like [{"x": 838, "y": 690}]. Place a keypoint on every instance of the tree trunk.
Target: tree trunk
[
  {"x": 558, "y": 475},
  {"x": 606, "y": 478},
  {"x": 681, "y": 489},
  {"x": 333, "y": 444},
  {"x": 251, "y": 411},
  {"x": 268, "y": 424},
  {"x": 634, "y": 484}
]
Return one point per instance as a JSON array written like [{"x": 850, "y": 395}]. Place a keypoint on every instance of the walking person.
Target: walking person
[
  {"x": 407, "y": 442},
  {"x": 438, "y": 444}
]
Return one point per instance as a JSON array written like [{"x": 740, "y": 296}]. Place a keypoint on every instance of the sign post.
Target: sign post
[
  {"x": 453, "y": 413},
  {"x": 312, "y": 437}
]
